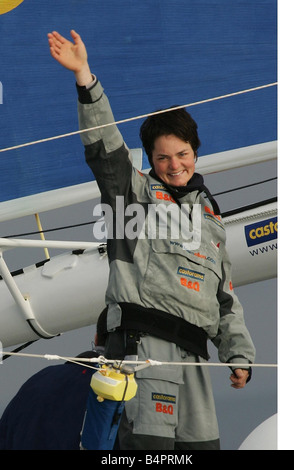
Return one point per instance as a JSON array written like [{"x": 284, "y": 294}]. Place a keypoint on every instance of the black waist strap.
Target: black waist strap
[{"x": 165, "y": 326}]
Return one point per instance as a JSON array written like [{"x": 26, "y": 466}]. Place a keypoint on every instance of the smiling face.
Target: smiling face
[{"x": 173, "y": 160}]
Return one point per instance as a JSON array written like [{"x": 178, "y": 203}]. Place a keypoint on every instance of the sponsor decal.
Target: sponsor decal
[
  {"x": 195, "y": 286},
  {"x": 167, "y": 409},
  {"x": 210, "y": 215},
  {"x": 261, "y": 250},
  {"x": 155, "y": 187},
  {"x": 190, "y": 273},
  {"x": 199, "y": 255},
  {"x": 190, "y": 284},
  {"x": 261, "y": 232},
  {"x": 162, "y": 407},
  {"x": 163, "y": 397},
  {"x": 209, "y": 211},
  {"x": 164, "y": 196}
]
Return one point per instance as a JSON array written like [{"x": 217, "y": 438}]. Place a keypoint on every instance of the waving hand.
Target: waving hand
[{"x": 72, "y": 55}]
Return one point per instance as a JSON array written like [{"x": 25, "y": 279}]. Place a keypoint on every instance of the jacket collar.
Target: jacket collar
[{"x": 196, "y": 183}]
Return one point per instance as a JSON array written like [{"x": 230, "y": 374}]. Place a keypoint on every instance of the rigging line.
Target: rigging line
[
  {"x": 93, "y": 221},
  {"x": 74, "y": 361},
  {"x": 244, "y": 187},
  {"x": 81, "y": 131},
  {"x": 255, "y": 205},
  {"x": 50, "y": 229},
  {"x": 102, "y": 360},
  {"x": 23, "y": 346}
]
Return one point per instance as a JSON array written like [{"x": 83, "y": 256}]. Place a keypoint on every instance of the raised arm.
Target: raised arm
[{"x": 71, "y": 55}]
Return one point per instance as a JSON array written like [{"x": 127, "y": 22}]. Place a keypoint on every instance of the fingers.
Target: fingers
[
  {"x": 57, "y": 37},
  {"x": 76, "y": 37},
  {"x": 54, "y": 44},
  {"x": 236, "y": 384},
  {"x": 70, "y": 54},
  {"x": 239, "y": 378},
  {"x": 56, "y": 40}
]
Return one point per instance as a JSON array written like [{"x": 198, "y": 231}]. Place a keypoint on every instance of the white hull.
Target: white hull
[
  {"x": 68, "y": 291},
  {"x": 252, "y": 244}
]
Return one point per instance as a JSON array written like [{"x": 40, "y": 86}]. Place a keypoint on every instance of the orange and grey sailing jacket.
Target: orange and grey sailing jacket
[{"x": 161, "y": 282}]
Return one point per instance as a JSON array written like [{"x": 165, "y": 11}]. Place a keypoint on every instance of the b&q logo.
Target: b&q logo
[
  {"x": 194, "y": 285},
  {"x": 261, "y": 232},
  {"x": 164, "y": 196}
]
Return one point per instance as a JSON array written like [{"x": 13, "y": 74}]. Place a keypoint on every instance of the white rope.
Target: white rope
[
  {"x": 102, "y": 360},
  {"x": 61, "y": 136}
]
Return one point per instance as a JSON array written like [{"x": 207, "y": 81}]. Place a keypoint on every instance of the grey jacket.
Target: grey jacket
[{"x": 189, "y": 278}]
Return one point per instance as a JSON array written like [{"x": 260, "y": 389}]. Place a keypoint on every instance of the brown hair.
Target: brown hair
[{"x": 177, "y": 122}]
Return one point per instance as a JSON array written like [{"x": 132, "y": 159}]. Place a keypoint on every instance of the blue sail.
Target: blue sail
[{"x": 148, "y": 55}]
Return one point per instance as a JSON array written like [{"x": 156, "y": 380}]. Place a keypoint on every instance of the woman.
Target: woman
[{"x": 170, "y": 277}]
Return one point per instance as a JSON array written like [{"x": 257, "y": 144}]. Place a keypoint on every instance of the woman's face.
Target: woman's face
[{"x": 173, "y": 160}]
